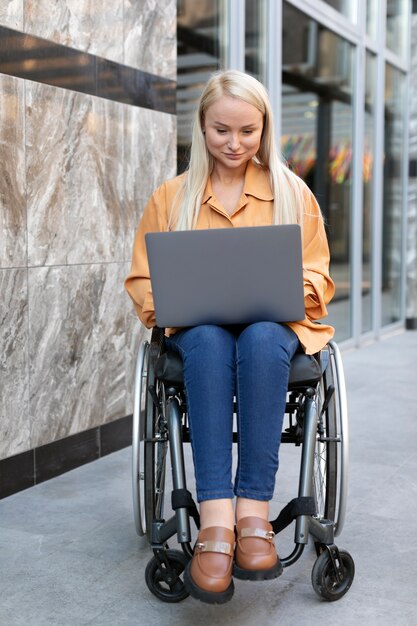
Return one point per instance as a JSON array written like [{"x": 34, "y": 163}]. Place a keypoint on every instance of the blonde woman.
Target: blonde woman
[{"x": 236, "y": 178}]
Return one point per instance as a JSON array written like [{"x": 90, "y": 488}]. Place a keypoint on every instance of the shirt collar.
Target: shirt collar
[{"x": 256, "y": 184}]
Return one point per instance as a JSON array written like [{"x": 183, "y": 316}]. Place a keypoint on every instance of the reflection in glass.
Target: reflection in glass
[
  {"x": 255, "y": 38},
  {"x": 371, "y": 18},
  {"x": 368, "y": 172},
  {"x": 200, "y": 33},
  {"x": 397, "y": 18},
  {"x": 347, "y": 7},
  {"x": 317, "y": 136},
  {"x": 393, "y": 195}
]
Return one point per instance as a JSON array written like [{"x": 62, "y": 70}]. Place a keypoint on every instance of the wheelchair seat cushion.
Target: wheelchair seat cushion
[{"x": 305, "y": 370}]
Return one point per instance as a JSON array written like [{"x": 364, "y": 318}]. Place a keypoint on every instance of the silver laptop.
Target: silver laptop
[{"x": 227, "y": 275}]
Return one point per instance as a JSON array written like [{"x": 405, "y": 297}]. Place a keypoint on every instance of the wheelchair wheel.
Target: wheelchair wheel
[
  {"x": 156, "y": 440},
  {"x": 324, "y": 579},
  {"x": 325, "y": 457},
  {"x": 163, "y": 578},
  {"x": 149, "y": 441},
  {"x": 331, "y": 454},
  {"x": 138, "y": 436}
]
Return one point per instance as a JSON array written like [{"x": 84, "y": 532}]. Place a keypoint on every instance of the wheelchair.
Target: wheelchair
[{"x": 316, "y": 420}]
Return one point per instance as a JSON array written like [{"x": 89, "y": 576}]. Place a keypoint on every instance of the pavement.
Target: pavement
[{"x": 69, "y": 553}]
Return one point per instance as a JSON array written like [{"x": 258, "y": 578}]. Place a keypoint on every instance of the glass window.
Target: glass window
[
  {"x": 393, "y": 194},
  {"x": 397, "y": 23},
  {"x": 255, "y": 38},
  {"x": 367, "y": 173},
  {"x": 201, "y": 51},
  {"x": 347, "y": 7},
  {"x": 371, "y": 18},
  {"x": 317, "y": 136}
]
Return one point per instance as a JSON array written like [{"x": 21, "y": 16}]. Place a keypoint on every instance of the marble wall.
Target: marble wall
[
  {"x": 138, "y": 33},
  {"x": 75, "y": 173}
]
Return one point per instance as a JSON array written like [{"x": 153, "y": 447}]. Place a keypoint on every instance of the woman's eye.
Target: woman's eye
[
  {"x": 221, "y": 131},
  {"x": 247, "y": 132}
]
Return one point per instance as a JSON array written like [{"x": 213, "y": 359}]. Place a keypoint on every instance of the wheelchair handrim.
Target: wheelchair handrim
[
  {"x": 137, "y": 442},
  {"x": 343, "y": 429}
]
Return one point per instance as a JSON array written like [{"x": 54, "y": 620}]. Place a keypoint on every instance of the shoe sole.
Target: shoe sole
[
  {"x": 260, "y": 574},
  {"x": 210, "y": 597}
]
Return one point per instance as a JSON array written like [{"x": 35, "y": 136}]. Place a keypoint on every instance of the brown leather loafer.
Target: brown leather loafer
[
  {"x": 208, "y": 576},
  {"x": 255, "y": 555}
]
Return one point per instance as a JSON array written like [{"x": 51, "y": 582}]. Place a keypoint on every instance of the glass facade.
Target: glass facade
[
  {"x": 397, "y": 25},
  {"x": 201, "y": 50},
  {"x": 368, "y": 191},
  {"x": 255, "y": 38},
  {"x": 346, "y": 7},
  {"x": 317, "y": 124},
  {"x": 372, "y": 18},
  {"x": 339, "y": 97},
  {"x": 393, "y": 194}
]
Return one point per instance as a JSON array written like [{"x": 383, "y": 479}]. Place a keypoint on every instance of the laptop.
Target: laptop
[{"x": 226, "y": 275}]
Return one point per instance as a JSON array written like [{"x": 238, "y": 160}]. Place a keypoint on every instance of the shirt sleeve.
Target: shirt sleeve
[
  {"x": 138, "y": 282},
  {"x": 318, "y": 286}
]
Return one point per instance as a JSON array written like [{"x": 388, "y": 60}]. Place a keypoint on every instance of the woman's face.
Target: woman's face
[{"x": 233, "y": 131}]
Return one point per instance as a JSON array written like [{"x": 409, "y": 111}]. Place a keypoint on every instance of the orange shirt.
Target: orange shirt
[{"x": 255, "y": 208}]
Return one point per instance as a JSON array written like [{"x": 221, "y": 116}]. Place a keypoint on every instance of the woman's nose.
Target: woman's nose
[{"x": 234, "y": 142}]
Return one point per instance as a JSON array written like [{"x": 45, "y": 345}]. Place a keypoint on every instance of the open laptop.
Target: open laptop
[{"x": 227, "y": 275}]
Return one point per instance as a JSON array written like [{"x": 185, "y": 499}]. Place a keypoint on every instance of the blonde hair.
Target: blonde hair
[{"x": 286, "y": 186}]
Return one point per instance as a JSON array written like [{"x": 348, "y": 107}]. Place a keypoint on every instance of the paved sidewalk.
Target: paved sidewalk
[{"x": 69, "y": 554}]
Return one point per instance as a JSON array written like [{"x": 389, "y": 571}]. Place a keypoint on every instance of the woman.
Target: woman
[{"x": 236, "y": 178}]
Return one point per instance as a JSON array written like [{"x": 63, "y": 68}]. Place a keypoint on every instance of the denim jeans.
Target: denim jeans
[{"x": 252, "y": 363}]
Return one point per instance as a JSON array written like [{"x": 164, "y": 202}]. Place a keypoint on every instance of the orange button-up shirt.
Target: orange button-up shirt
[{"x": 255, "y": 208}]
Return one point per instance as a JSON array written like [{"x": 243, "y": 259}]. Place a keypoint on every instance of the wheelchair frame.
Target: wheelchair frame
[{"x": 318, "y": 423}]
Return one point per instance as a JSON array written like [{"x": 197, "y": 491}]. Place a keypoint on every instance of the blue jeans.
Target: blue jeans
[{"x": 251, "y": 362}]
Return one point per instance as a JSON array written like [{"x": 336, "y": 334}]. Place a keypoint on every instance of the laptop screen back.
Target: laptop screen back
[{"x": 227, "y": 275}]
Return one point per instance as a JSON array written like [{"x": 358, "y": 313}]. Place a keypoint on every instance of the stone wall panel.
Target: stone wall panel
[
  {"x": 12, "y": 173},
  {"x": 14, "y": 377},
  {"x": 74, "y": 150}
]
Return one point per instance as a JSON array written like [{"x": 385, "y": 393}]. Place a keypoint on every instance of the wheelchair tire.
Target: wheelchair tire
[
  {"x": 138, "y": 443},
  {"x": 163, "y": 579},
  {"x": 156, "y": 442},
  {"x": 332, "y": 449},
  {"x": 326, "y": 453},
  {"x": 342, "y": 430},
  {"x": 324, "y": 579}
]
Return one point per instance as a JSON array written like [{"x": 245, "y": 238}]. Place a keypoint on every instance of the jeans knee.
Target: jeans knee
[
  {"x": 260, "y": 331},
  {"x": 262, "y": 334},
  {"x": 268, "y": 339},
  {"x": 210, "y": 336}
]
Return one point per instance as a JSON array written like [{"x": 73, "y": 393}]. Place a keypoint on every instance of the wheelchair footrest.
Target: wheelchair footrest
[
  {"x": 182, "y": 499},
  {"x": 297, "y": 506}
]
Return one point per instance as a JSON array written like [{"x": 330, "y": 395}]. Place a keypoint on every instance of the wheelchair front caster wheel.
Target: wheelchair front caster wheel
[
  {"x": 331, "y": 580},
  {"x": 163, "y": 576}
]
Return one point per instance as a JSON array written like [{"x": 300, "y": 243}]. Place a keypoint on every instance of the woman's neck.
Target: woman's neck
[
  {"x": 226, "y": 176},
  {"x": 228, "y": 186}
]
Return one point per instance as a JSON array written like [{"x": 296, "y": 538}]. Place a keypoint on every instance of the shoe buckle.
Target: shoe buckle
[
  {"x": 257, "y": 532},
  {"x": 221, "y": 547}
]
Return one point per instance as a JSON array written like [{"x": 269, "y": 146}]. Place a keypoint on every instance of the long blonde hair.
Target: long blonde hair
[{"x": 286, "y": 186}]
